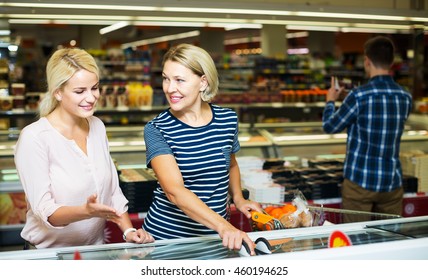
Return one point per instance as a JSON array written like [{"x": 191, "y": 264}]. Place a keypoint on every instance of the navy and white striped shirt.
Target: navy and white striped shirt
[
  {"x": 374, "y": 115},
  {"x": 203, "y": 157}
]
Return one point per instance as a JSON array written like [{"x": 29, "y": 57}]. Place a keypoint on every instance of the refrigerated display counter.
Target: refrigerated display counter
[
  {"x": 308, "y": 140},
  {"x": 400, "y": 238}
]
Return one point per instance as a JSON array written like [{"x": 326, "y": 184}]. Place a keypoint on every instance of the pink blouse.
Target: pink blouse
[{"x": 55, "y": 172}]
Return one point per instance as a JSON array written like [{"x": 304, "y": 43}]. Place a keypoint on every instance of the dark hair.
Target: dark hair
[{"x": 380, "y": 50}]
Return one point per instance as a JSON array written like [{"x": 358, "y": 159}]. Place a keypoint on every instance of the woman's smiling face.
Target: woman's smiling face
[
  {"x": 80, "y": 94},
  {"x": 181, "y": 86}
]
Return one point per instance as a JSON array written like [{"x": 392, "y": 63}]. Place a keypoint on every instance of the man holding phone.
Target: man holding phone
[{"x": 374, "y": 115}]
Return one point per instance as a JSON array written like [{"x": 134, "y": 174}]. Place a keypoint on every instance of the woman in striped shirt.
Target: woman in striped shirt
[{"x": 191, "y": 147}]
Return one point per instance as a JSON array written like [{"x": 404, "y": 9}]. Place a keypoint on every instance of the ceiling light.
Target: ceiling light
[
  {"x": 313, "y": 28},
  {"x": 218, "y": 11},
  {"x": 81, "y": 6},
  {"x": 368, "y": 30},
  {"x": 68, "y": 17},
  {"x": 61, "y": 21},
  {"x": 352, "y": 16},
  {"x": 114, "y": 27},
  {"x": 161, "y": 39}
]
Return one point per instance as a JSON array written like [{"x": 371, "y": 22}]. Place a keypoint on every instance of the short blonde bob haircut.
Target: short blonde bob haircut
[{"x": 199, "y": 62}]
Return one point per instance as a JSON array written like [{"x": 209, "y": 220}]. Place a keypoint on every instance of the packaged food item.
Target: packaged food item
[
  {"x": 18, "y": 89},
  {"x": 293, "y": 214},
  {"x": 32, "y": 100},
  {"x": 18, "y": 102},
  {"x": 6, "y": 103}
]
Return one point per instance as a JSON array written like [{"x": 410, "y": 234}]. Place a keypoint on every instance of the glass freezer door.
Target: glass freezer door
[{"x": 212, "y": 249}]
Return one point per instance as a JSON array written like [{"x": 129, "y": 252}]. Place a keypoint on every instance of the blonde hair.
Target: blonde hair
[
  {"x": 62, "y": 65},
  {"x": 199, "y": 62}
]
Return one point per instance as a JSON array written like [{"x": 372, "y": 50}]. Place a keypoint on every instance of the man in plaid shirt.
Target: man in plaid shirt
[{"x": 373, "y": 115}]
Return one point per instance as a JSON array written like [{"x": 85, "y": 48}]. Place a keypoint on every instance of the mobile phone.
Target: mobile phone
[{"x": 336, "y": 83}]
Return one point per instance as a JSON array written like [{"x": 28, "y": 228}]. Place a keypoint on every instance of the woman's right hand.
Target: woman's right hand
[
  {"x": 233, "y": 238},
  {"x": 96, "y": 209}
]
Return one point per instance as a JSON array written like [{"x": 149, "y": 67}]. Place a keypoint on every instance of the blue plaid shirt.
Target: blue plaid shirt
[{"x": 374, "y": 115}]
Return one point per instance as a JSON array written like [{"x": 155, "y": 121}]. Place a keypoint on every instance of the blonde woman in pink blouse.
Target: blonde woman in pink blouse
[{"x": 64, "y": 164}]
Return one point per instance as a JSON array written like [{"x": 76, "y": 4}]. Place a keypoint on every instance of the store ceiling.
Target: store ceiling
[{"x": 65, "y": 21}]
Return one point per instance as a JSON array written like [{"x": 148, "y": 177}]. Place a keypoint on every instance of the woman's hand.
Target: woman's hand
[
  {"x": 96, "y": 209},
  {"x": 139, "y": 236},
  {"x": 246, "y": 206},
  {"x": 233, "y": 238}
]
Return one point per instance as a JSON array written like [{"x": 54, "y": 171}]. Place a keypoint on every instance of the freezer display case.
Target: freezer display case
[
  {"x": 308, "y": 140},
  {"x": 401, "y": 238}
]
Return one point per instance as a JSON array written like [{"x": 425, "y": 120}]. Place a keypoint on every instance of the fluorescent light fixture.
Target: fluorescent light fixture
[
  {"x": 170, "y": 23},
  {"x": 218, "y": 11},
  {"x": 113, "y": 27},
  {"x": 115, "y": 22},
  {"x": 313, "y": 28},
  {"x": 114, "y": 19},
  {"x": 303, "y": 23},
  {"x": 4, "y": 32},
  {"x": 368, "y": 30},
  {"x": 290, "y": 25},
  {"x": 227, "y": 11},
  {"x": 380, "y": 26},
  {"x": 161, "y": 39},
  {"x": 196, "y": 19},
  {"x": 70, "y": 17},
  {"x": 29, "y": 21},
  {"x": 81, "y": 6},
  {"x": 352, "y": 16},
  {"x": 61, "y": 21}
]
